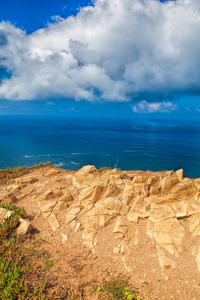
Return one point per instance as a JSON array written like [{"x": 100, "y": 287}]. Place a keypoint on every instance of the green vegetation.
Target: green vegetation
[
  {"x": 48, "y": 263},
  {"x": 23, "y": 266},
  {"x": 115, "y": 289},
  {"x": 9, "y": 173},
  {"x": 18, "y": 268},
  {"x": 13, "y": 267}
]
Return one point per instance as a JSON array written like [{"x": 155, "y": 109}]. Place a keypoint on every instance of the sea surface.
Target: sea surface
[{"x": 126, "y": 144}]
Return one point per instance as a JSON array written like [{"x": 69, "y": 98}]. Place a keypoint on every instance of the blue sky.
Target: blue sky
[
  {"x": 129, "y": 58},
  {"x": 34, "y": 14}
]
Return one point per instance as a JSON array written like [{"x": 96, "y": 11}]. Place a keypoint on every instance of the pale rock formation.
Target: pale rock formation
[
  {"x": 93, "y": 200},
  {"x": 24, "y": 227},
  {"x": 140, "y": 179},
  {"x": 184, "y": 190},
  {"x": 168, "y": 183},
  {"x": 180, "y": 174},
  {"x": 139, "y": 210},
  {"x": 26, "y": 180},
  {"x": 52, "y": 172},
  {"x": 4, "y": 213},
  {"x": 53, "y": 222},
  {"x": 168, "y": 234},
  {"x": 165, "y": 262}
]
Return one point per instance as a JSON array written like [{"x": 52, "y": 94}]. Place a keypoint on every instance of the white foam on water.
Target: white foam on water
[
  {"x": 74, "y": 163},
  {"x": 39, "y": 155},
  {"x": 117, "y": 161}
]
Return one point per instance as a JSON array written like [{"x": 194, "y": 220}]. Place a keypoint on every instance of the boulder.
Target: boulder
[
  {"x": 139, "y": 210},
  {"x": 108, "y": 206},
  {"x": 165, "y": 262},
  {"x": 52, "y": 172},
  {"x": 4, "y": 213},
  {"x": 86, "y": 171},
  {"x": 10, "y": 198},
  {"x": 184, "y": 190},
  {"x": 140, "y": 179},
  {"x": 169, "y": 173},
  {"x": 92, "y": 193},
  {"x": 24, "y": 227},
  {"x": 180, "y": 209},
  {"x": 61, "y": 205},
  {"x": 168, "y": 234},
  {"x": 194, "y": 224},
  {"x": 180, "y": 174},
  {"x": 69, "y": 218},
  {"x": 141, "y": 189},
  {"x": 154, "y": 191},
  {"x": 48, "y": 195},
  {"x": 192, "y": 209},
  {"x": 46, "y": 206},
  {"x": 74, "y": 209},
  {"x": 26, "y": 179},
  {"x": 64, "y": 237},
  {"x": 67, "y": 197},
  {"x": 128, "y": 193},
  {"x": 90, "y": 220},
  {"x": 121, "y": 225},
  {"x": 53, "y": 222},
  {"x": 160, "y": 212},
  {"x": 168, "y": 183},
  {"x": 111, "y": 190}
]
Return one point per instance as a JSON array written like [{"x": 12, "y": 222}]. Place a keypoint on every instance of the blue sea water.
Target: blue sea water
[{"x": 126, "y": 144}]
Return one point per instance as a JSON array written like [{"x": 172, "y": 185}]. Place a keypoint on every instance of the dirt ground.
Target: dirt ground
[{"x": 78, "y": 267}]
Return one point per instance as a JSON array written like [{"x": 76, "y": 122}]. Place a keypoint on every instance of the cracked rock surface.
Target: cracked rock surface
[{"x": 143, "y": 224}]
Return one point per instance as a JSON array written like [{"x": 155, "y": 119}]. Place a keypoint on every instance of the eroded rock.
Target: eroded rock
[{"x": 119, "y": 203}]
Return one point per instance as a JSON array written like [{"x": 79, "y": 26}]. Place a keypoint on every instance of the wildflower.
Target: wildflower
[
  {"x": 126, "y": 294},
  {"x": 99, "y": 289},
  {"x": 138, "y": 298},
  {"x": 126, "y": 289},
  {"x": 130, "y": 297}
]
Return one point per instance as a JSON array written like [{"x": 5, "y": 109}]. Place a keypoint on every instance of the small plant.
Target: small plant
[
  {"x": 48, "y": 263},
  {"x": 16, "y": 209},
  {"x": 116, "y": 289},
  {"x": 81, "y": 228},
  {"x": 20, "y": 277},
  {"x": 124, "y": 176},
  {"x": 13, "y": 267}
]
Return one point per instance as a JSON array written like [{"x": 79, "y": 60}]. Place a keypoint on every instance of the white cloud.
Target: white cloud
[
  {"x": 154, "y": 107},
  {"x": 116, "y": 50}
]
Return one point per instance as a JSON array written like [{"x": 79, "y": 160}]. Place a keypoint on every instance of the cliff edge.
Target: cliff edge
[{"x": 100, "y": 223}]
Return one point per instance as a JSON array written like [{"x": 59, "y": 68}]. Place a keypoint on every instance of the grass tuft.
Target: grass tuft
[
  {"x": 115, "y": 289},
  {"x": 12, "y": 173}
]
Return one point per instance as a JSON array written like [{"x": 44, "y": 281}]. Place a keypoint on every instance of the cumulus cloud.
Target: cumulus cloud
[
  {"x": 116, "y": 50},
  {"x": 154, "y": 107}
]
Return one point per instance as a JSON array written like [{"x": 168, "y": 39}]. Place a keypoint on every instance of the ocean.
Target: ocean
[{"x": 127, "y": 144}]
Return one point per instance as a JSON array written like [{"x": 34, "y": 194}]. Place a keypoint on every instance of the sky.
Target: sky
[{"x": 134, "y": 58}]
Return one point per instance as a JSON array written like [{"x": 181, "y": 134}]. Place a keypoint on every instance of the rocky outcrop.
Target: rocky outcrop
[
  {"x": 93, "y": 199},
  {"x": 24, "y": 225}
]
